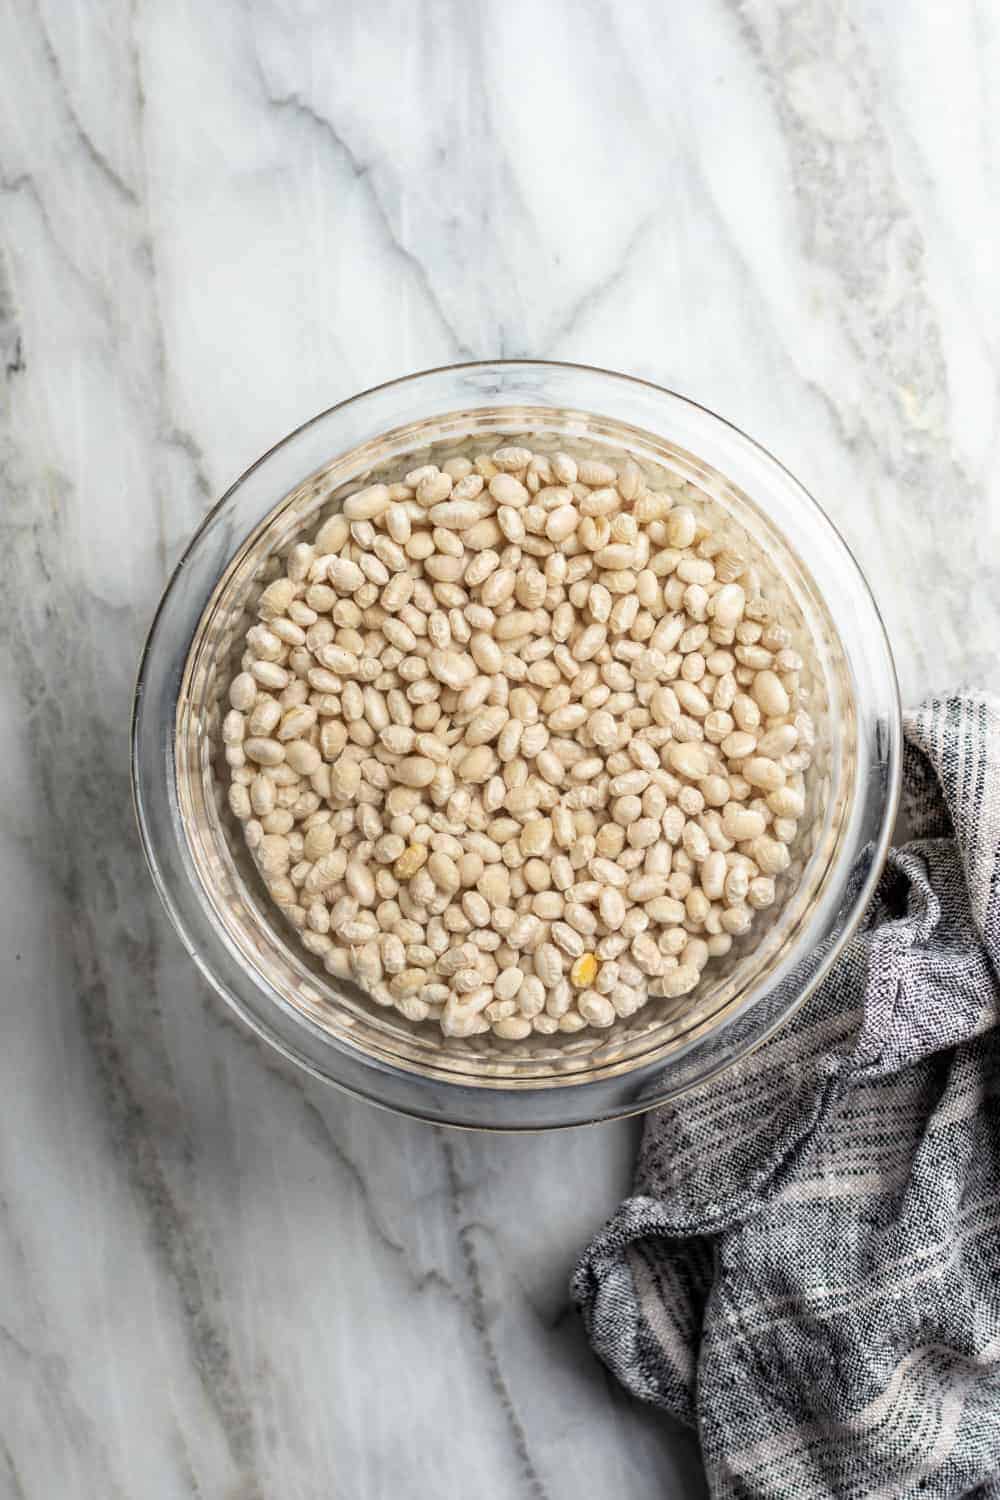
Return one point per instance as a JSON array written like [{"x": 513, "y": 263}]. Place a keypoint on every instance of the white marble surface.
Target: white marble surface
[{"x": 217, "y": 1279}]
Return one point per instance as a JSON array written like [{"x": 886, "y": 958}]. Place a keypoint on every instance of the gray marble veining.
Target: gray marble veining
[{"x": 217, "y": 1278}]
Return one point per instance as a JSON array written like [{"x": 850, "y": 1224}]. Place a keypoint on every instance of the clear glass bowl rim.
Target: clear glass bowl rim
[{"x": 381, "y": 1084}]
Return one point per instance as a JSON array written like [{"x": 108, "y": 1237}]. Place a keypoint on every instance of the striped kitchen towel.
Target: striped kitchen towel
[{"x": 808, "y": 1271}]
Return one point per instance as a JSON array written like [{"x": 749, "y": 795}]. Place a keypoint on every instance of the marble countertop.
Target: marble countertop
[{"x": 218, "y": 1278}]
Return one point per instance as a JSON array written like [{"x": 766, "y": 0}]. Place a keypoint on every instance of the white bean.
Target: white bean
[{"x": 513, "y": 717}]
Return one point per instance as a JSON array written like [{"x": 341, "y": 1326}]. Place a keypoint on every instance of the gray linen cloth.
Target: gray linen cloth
[{"x": 808, "y": 1271}]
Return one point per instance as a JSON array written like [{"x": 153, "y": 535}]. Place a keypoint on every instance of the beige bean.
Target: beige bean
[
  {"x": 454, "y": 669},
  {"x": 456, "y": 515},
  {"x": 486, "y": 654},
  {"x": 665, "y": 910},
  {"x": 764, "y": 773},
  {"x": 518, "y": 623},
  {"x": 612, "y": 907},
  {"x": 769, "y": 694},
  {"x": 713, "y": 875},
  {"x": 498, "y": 587},
  {"x": 415, "y": 771},
  {"x": 566, "y": 938},
  {"x": 728, "y": 605},
  {"x": 589, "y": 642},
  {"x": 740, "y": 823},
  {"x": 477, "y": 765},
  {"x": 761, "y": 892},
  {"x": 679, "y": 981},
  {"x": 681, "y": 527},
  {"x": 243, "y": 692},
  {"x": 771, "y": 856},
  {"x": 739, "y": 745},
  {"x": 509, "y": 491},
  {"x": 787, "y": 803},
  {"x": 303, "y": 757},
  {"x": 368, "y": 503},
  {"x": 690, "y": 759},
  {"x": 561, "y": 523},
  {"x": 264, "y": 718},
  {"x": 263, "y": 751},
  {"x": 746, "y": 712},
  {"x": 778, "y": 742},
  {"x": 596, "y": 1009}
]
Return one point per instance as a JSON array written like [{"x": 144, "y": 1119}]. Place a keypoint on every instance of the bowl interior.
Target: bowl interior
[{"x": 338, "y": 1012}]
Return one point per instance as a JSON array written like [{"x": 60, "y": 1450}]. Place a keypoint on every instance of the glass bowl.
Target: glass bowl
[{"x": 329, "y": 1026}]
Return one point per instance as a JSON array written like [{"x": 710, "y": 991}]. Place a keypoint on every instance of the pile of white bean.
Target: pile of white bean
[{"x": 517, "y": 744}]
